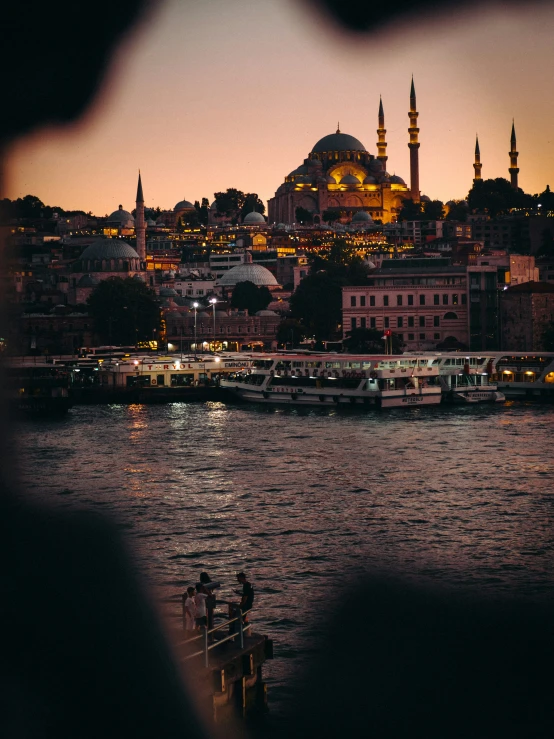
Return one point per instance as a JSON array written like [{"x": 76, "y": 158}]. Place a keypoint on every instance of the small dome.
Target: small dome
[
  {"x": 370, "y": 264},
  {"x": 338, "y": 142},
  {"x": 362, "y": 216},
  {"x": 425, "y": 198},
  {"x": 150, "y": 223},
  {"x": 266, "y": 313},
  {"x": 331, "y": 180},
  {"x": 221, "y": 314},
  {"x": 213, "y": 206},
  {"x": 369, "y": 180},
  {"x": 280, "y": 226},
  {"x": 396, "y": 180},
  {"x": 168, "y": 292},
  {"x": 299, "y": 170},
  {"x": 314, "y": 163},
  {"x": 121, "y": 217},
  {"x": 376, "y": 165},
  {"x": 349, "y": 179},
  {"x": 109, "y": 249},
  {"x": 183, "y": 205},
  {"x": 303, "y": 180},
  {"x": 88, "y": 281},
  {"x": 248, "y": 273},
  {"x": 202, "y": 314},
  {"x": 253, "y": 219}
]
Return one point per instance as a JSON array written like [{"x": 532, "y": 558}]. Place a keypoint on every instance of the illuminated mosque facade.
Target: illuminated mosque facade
[{"x": 340, "y": 174}]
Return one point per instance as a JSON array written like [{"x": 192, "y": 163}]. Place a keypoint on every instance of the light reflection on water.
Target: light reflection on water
[{"x": 302, "y": 498}]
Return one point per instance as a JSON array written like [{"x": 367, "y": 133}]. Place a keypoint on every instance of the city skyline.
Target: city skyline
[{"x": 206, "y": 98}]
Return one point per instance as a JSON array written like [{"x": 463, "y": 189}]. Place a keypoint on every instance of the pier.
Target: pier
[{"x": 223, "y": 666}]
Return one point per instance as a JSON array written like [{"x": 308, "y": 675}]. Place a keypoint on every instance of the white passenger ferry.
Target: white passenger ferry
[
  {"x": 467, "y": 378},
  {"x": 382, "y": 381}
]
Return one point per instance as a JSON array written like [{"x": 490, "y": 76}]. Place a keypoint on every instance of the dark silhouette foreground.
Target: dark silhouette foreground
[{"x": 82, "y": 652}]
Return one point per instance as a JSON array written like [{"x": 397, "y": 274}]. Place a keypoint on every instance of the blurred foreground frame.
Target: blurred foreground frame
[{"x": 84, "y": 655}]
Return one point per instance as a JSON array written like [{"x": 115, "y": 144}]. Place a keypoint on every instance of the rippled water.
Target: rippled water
[{"x": 302, "y": 498}]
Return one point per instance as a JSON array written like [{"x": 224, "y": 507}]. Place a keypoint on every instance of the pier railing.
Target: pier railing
[{"x": 208, "y": 640}]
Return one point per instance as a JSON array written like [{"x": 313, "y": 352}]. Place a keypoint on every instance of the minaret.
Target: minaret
[
  {"x": 140, "y": 224},
  {"x": 477, "y": 163},
  {"x": 413, "y": 130},
  {"x": 381, "y": 132},
  {"x": 514, "y": 169}
]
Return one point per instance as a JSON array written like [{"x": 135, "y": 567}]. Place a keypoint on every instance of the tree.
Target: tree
[
  {"x": 290, "y": 331},
  {"x": 247, "y": 296},
  {"x": 433, "y": 210},
  {"x": 410, "y": 211},
  {"x": 124, "y": 311},
  {"x": 457, "y": 211},
  {"x": 545, "y": 202},
  {"x": 303, "y": 215},
  {"x": 316, "y": 302},
  {"x": 497, "y": 197},
  {"x": 202, "y": 211},
  {"x": 331, "y": 215},
  {"x": 370, "y": 341}
]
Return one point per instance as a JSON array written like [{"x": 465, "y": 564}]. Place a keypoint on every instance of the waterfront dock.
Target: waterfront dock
[{"x": 223, "y": 667}]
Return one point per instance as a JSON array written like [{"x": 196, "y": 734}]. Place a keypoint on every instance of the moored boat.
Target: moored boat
[
  {"x": 381, "y": 381},
  {"x": 37, "y": 387}
]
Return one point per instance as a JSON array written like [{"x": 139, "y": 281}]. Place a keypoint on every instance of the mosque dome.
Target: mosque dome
[
  {"x": 168, "y": 292},
  {"x": 183, "y": 205},
  {"x": 150, "y": 223},
  {"x": 376, "y": 165},
  {"x": 121, "y": 217},
  {"x": 338, "y": 142},
  {"x": 396, "y": 180},
  {"x": 108, "y": 249},
  {"x": 88, "y": 281},
  {"x": 314, "y": 163},
  {"x": 362, "y": 217},
  {"x": 330, "y": 179},
  {"x": 266, "y": 313},
  {"x": 304, "y": 179},
  {"x": 248, "y": 272},
  {"x": 369, "y": 180},
  {"x": 213, "y": 206},
  {"x": 253, "y": 219},
  {"x": 349, "y": 179},
  {"x": 302, "y": 169},
  {"x": 202, "y": 314},
  {"x": 425, "y": 198},
  {"x": 280, "y": 226}
]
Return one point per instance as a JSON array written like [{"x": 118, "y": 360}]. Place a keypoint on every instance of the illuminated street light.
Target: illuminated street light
[
  {"x": 195, "y": 306},
  {"x": 213, "y": 301}
]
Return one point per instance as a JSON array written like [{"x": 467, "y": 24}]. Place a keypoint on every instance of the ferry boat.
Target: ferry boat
[
  {"x": 37, "y": 387},
  {"x": 467, "y": 379},
  {"x": 525, "y": 375},
  {"x": 161, "y": 378},
  {"x": 381, "y": 381}
]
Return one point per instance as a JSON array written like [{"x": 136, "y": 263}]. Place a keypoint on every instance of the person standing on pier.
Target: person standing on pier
[
  {"x": 190, "y": 613},
  {"x": 247, "y": 595},
  {"x": 211, "y": 603},
  {"x": 200, "y": 604}
]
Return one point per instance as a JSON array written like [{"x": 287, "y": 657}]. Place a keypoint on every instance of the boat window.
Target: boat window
[
  {"x": 298, "y": 364},
  {"x": 353, "y": 365},
  {"x": 366, "y": 365}
]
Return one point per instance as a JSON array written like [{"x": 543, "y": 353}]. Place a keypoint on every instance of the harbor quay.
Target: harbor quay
[
  {"x": 222, "y": 665},
  {"x": 295, "y": 378}
]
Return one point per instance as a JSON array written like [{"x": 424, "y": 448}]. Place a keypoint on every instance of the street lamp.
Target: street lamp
[
  {"x": 213, "y": 301},
  {"x": 195, "y": 306}
]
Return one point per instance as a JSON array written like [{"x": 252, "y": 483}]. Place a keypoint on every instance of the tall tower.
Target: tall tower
[
  {"x": 381, "y": 133},
  {"x": 477, "y": 163},
  {"x": 413, "y": 130},
  {"x": 514, "y": 169},
  {"x": 140, "y": 223}
]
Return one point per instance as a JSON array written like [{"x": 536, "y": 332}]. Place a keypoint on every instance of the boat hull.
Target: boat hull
[{"x": 300, "y": 397}]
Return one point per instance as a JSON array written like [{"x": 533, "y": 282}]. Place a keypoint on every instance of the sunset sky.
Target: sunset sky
[{"x": 211, "y": 94}]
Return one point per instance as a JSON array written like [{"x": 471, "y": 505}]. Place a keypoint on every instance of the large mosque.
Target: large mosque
[{"x": 340, "y": 174}]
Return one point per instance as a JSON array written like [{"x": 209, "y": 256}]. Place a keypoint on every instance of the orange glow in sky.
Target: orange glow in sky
[{"x": 235, "y": 93}]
